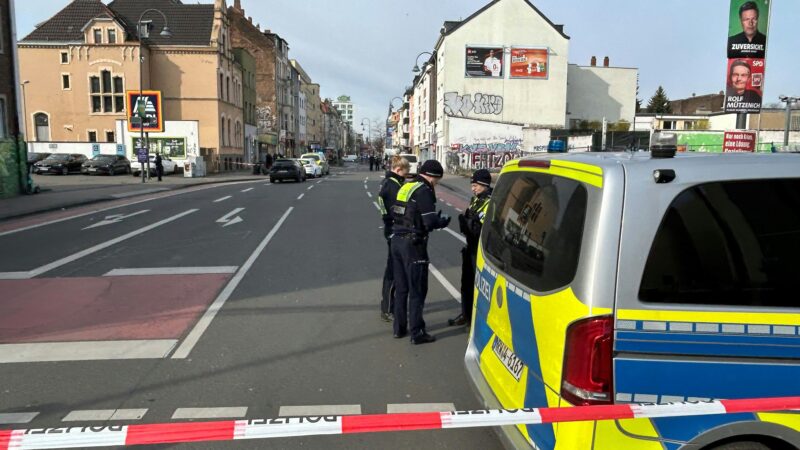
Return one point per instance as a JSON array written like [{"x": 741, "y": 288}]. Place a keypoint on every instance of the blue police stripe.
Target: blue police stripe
[
  {"x": 708, "y": 344},
  {"x": 482, "y": 334}
]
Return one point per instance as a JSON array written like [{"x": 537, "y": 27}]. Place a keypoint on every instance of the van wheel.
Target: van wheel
[{"x": 741, "y": 445}]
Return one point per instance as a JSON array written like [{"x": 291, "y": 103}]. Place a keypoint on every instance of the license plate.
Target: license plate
[
  {"x": 508, "y": 358},
  {"x": 92, "y": 169},
  {"x": 283, "y": 171}
]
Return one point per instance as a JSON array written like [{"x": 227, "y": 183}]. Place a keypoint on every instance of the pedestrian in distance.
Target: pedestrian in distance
[
  {"x": 371, "y": 162},
  {"x": 387, "y": 196},
  {"x": 415, "y": 216},
  {"x": 159, "y": 166},
  {"x": 470, "y": 224}
]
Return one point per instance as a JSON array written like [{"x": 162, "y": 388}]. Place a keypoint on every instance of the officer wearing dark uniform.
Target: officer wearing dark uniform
[
  {"x": 470, "y": 223},
  {"x": 415, "y": 217},
  {"x": 390, "y": 186}
]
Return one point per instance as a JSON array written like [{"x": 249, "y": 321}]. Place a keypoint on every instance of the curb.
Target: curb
[{"x": 95, "y": 201}]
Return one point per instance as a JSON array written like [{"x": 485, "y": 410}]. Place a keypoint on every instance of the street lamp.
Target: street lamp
[
  {"x": 416, "y": 68},
  {"x": 789, "y": 101},
  {"x": 369, "y": 132},
  {"x": 24, "y": 111},
  {"x": 143, "y": 30}
]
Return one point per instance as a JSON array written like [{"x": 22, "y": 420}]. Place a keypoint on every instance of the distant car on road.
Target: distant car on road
[
  {"x": 412, "y": 159},
  {"x": 60, "y": 163},
  {"x": 170, "y": 166},
  {"x": 34, "y": 157},
  {"x": 287, "y": 169},
  {"x": 106, "y": 164},
  {"x": 320, "y": 159},
  {"x": 313, "y": 169},
  {"x": 350, "y": 158}
]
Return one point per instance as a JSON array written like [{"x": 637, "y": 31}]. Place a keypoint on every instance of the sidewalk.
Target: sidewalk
[{"x": 63, "y": 192}]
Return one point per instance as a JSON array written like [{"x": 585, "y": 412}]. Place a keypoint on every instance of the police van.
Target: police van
[{"x": 613, "y": 278}]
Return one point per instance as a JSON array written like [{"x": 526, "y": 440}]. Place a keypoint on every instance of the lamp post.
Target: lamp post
[
  {"x": 24, "y": 110},
  {"x": 388, "y": 118},
  {"x": 144, "y": 33},
  {"x": 789, "y": 101},
  {"x": 416, "y": 68},
  {"x": 369, "y": 132}
]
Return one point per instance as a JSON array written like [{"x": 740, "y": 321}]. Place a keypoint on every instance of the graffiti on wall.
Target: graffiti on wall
[
  {"x": 464, "y": 105},
  {"x": 484, "y": 155},
  {"x": 265, "y": 119}
]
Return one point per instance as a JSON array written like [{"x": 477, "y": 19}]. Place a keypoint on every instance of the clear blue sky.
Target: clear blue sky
[{"x": 366, "y": 48}]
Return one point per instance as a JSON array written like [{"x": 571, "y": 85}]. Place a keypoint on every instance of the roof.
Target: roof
[
  {"x": 67, "y": 25},
  {"x": 451, "y": 26},
  {"x": 189, "y": 24}
]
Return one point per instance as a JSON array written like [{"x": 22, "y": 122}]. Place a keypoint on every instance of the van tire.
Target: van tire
[{"x": 741, "y": 445}]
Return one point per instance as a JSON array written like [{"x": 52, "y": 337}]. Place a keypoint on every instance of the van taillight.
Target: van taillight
[{"x": 588, "y": 357}]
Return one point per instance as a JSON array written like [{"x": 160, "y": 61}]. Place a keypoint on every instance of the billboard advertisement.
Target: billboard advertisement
[
  {"x": 747, "y": 32},
  {"x": 739, "y": 141},
  {"x": 744, "y": 85},
  {"x": 174, "y": 148},
  {"x": 149, "y": 108},
  {"x": 484, "y": 62},
  {"x": 530, "y": 63}
]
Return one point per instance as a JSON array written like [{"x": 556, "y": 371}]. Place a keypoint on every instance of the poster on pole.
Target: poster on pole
[
  {"x": 744, "y": 87},
  {"x": 739, "y": 142},
  {"x": 484, "y": 62},
  {"x": 748, "y": 28},
  {"x": 529, "y": 63},
  {"x": 148, "y": 107}
]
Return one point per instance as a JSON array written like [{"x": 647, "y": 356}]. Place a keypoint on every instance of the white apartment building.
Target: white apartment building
[
  {"x": 423, "y": 140},
  {"x": 344, "y": 105}
]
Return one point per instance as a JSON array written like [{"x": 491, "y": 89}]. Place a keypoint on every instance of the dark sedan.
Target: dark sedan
[
  {"x": 106, "y": 165},
  {"x": 34, "y": 157},
  {"x": 287, "y": 169},
  {"x": 60, "y": 163}
]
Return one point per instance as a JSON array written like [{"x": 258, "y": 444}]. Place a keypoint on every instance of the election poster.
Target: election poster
[
  {"x": 484, "y": 62},
  {"x": 747, "y": 32},
  {"x": 744, "y": 87},
  {"x": 531, "y": 63},
  {"x": 145, "y": 112}
]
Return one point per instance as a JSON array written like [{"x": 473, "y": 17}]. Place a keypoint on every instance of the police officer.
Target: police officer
[
  {"x": 414, "y": 217},
  {"x": 470, "y": 224},
  {"x": 386, "y": 197}
]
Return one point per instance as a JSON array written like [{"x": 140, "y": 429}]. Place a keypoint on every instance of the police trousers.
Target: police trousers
[
  {"x": 468, "y": 256},
  {"x": 387, "y": 292},
  {"x": 410, "y": 261}
]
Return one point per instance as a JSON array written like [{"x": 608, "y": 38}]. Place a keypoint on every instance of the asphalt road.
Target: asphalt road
[{"x": 258, "y": 298}]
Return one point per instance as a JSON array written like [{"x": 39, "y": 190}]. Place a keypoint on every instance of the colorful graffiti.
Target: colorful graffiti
[
  {"x": 483, "y": 155},
  {"x": 462, "y": 105},
  {"x": 265, "y": 119}
]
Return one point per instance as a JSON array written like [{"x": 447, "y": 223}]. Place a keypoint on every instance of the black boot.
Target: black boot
[{"x": 458, "y": 321}]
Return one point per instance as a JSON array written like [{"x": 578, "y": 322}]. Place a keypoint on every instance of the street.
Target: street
[{"x": 233, "y": 301}]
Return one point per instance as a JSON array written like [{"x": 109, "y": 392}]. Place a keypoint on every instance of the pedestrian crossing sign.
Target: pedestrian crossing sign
[{"x": 145, "y": 111}]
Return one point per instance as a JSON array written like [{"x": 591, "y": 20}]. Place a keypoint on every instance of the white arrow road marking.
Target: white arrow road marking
[
  {"x": 247, "y": 190},
  {"x": 222, "y": 199},
  {"x": 227, "y": 220},
  {"x": 116, "y": 218}
]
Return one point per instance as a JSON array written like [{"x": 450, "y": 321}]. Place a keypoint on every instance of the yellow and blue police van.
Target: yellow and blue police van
[{"x": 613, "y": 278}]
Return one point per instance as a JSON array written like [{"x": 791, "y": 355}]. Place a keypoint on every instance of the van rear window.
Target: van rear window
[
  {"x": 728, "y": 243},
  {"x": 534, "y": 229}
]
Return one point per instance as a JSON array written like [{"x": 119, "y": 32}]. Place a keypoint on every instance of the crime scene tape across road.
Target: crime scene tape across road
[{"x": 169, "y": 433}]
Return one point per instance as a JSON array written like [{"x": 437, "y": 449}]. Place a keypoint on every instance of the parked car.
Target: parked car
[
  {"x": 350, "y": 158},
  {"x": 34, "y": 157},
  {"x": 60, "y": 163},
  {"x": 320, "y": 159},
  {"x": 413, "y": 161},
  {"x": 106, "y": 164},
  {"x": 311, "y": 167},
  {"x": 640, "y": 278},
  {"x": 170, "y": 166},
  {"x": 287, "y": 169}
]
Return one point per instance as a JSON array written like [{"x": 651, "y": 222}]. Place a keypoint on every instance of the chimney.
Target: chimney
[
  {"x": 250, "y": 19},
  {"x": 237, "y": 5},
  {"x": 594, "y": 61},
  {"x": 606, "y": 61}
]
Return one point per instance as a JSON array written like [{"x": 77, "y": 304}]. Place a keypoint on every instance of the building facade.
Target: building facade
[
  {"x": 345, "y": 106},
  {"x": 311, "y": 124},
  {"x": 600, "y": 92},
  {"x": 423, "y": 139},
  {"x": 249, "y": 97}
]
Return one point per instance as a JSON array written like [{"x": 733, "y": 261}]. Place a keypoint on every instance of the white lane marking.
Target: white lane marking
[
  {"x": 223, "y": 199},
  {"x": 90, "y": 415},
  {"x": 320, "y": 181},
  {"x": 210, "y": 413},
  {"x": 267, "y": 184},
  {"x": 310, "y": 188},
  {"x": 377, "y": 206},
  {"x": 15, "y": 275},
  {"x": 14, "y": 418},
  {"x": 441, "y": 199},
  {"x": 459, "y": 210},
  {"x": 369, "y": 194},
  {"x": 419, "y": 407},
  {"x": 366, "y": 187},
  {"x": 228, "y": 219},
  {"x": 116, "y": 218},
  {"x": 447, "y": 285},
  {"x": 135, "y": 193},
  {"x": 63, "y": 261},
  {"x": 194, "y": 336},
  {"x": 171, "y": 271},
  {"x": 247, "y": 190},
  {"x": 85, "y": 351},
  {"x": 366, "y": 179},
  {"x": 319, "y": 410},
  {"x": 300, "y": 197},
  {"x": 448, "y": 204},
  {"x": 455, "y": 235}
]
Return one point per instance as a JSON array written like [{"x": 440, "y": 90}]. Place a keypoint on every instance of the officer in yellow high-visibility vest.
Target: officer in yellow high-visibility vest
[
  {"x": 470, "y": 224},
  {"x": 390, "y": 186},
  {"x": 415, "y": 216}
]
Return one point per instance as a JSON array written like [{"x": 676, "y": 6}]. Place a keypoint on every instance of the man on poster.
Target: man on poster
[
  {"x": 493, "y": 65},
  {"x": 739, "y": 95},
  {"x": 750, "y": 43}
]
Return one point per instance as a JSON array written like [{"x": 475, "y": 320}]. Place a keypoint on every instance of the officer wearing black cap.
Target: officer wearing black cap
[
  {"x": 470, "y": 223},
  {"x": 415, "y": 216}
]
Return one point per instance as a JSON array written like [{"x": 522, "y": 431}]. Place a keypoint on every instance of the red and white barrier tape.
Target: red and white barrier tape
[{"x": 168, "y": 433}]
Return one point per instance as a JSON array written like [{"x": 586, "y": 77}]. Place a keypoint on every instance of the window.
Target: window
[
  {"x": 229, "y": 132},
  {"x": 110, "y": 136},
  {"x": 107, "y": 93},
  {"x": 669, "y": 125},
  {"x": 64, "y": 57},
  {"x": 98, "y": 36},
  {"x": 3, "y": 119},
  {"x": 92, "y": 136},
  {"x": 65, "y": 81},
  {"x": 534, "y": 229},
  {"x": 221, "y": 90},
  {"x": 728, "y": 243},
  {"x": 228, "y": 88},
  {"x": 222, "y": 133},
  {"x": 112, "y": 36},
  {"x": 42, "y": 123}
]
